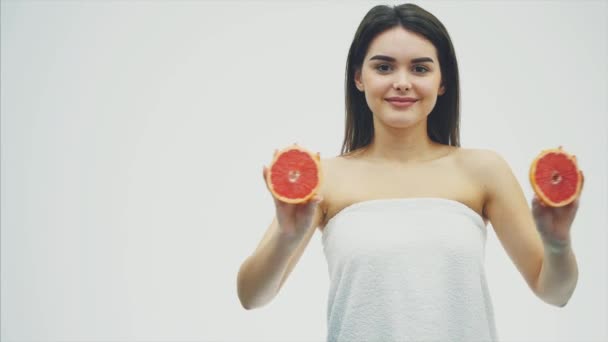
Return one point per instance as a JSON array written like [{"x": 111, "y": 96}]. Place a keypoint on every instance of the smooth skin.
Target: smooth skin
[{"x": 403, "y": 162}]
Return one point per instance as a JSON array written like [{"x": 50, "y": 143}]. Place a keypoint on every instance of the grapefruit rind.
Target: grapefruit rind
[
  {"x": 537, "y": 188},
  {"x": 317, "y": 162}
]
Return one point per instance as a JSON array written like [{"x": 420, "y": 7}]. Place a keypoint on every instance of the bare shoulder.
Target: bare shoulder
[
  {"x": 482, "y": 163},
  {"x": 333, "y": 169},
  {"x": 479, "y": 159},
  {"x": 332, "y": 166},
  {"x": 508, "y": 210},
  {"x": 488, "y": 168},
  {"x": 328, "y": 168},
  {"x": 328, "y": 171},
  {"x": 490, "y": 165}
]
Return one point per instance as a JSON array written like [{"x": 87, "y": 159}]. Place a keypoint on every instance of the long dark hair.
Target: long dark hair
[{"x": 444, "y": 120}]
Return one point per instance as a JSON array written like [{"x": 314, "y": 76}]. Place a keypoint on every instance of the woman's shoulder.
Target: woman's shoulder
[
  {"x": 485, "y": 165},
  {"x": 473, "y": 157},
  {"x": 329, "y": 165},
  {"x": 479, "y": 158},
  {"x": 337, "y": 160},
  {"x": 479, "y": 161}
]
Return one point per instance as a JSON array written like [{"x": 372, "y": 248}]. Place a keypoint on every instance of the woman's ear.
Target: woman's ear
[
  {"x": 441, "y": 90},
  {"x": 358, "y": 82}
]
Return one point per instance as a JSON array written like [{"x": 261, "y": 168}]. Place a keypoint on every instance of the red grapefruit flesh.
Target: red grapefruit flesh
[
  {"x": 555, "y": 177},
  {"x": 294, "y": 176}
]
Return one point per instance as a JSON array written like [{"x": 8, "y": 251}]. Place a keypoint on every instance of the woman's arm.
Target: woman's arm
[
  {"x": 558, "y": 276},
  {"x": 548, "y": 267},
  {"x": 260, "y": 274}
]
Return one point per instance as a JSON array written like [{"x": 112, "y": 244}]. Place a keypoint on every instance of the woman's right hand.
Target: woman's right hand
[{"x": 294, "y": 219}]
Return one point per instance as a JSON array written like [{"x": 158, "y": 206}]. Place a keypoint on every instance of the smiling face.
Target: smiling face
[{"x": 400, "y": 64}]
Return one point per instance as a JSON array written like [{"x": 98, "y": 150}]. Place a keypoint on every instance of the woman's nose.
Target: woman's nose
[{"x": 402, "y": 83}]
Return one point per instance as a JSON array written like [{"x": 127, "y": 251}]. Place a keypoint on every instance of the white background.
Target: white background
[{"x": 134, "y": 135}]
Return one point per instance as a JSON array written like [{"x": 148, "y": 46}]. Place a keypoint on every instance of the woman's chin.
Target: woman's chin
[{"x": 399, "y": 120}]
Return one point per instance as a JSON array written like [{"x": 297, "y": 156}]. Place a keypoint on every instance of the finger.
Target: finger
[
  {"x": 308, "y": 208},
  {"x": 538, "y": 201},
  {"x": 280, "y": 204},
  {"x": 309, "y": 203},
  {"x": 265, "y": 175},
  {"x": 316, "y": 200},
  {"x": 574, "y": 205},
  {"x": 535, "y": 203}
]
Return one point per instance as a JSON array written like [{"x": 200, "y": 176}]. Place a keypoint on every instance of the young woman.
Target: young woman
[{"x": 403, "y": 210}]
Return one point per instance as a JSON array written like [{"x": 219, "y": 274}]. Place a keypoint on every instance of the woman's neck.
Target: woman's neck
[{"x": 402, "y": 146}]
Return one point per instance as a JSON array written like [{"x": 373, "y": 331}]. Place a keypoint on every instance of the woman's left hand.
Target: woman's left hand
[{"x": 553, "y": 223}]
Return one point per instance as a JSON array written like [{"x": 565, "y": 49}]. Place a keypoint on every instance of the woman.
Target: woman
[{"x": 403, "y": 210}]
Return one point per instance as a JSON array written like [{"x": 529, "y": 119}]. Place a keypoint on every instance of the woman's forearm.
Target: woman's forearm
[
  {"x": 558, "y": 275},
  {"x": 260, "y": 276}
]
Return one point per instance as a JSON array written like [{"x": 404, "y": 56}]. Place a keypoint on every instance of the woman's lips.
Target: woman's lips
[{"x": 401, "y": 104}]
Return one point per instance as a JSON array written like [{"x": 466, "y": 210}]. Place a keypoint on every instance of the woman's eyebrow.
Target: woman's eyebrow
[{"x": 391, "y": 59}]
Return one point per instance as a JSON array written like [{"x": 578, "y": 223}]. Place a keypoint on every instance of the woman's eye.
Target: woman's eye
[
  {"x": 383, "y": 67},
  {"x": 386, "y": 67},
  {"x": 421, "y": 69}
]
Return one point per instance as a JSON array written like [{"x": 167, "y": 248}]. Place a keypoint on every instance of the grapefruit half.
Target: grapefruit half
[
  {"x": 555, "y": 177},
  {"x": 294, "y": 175}
]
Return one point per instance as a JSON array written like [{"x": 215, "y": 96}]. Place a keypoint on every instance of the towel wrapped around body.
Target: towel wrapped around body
[{"x": 407, "y": 269}]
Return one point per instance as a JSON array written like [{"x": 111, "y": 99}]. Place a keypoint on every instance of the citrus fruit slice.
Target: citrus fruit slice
[
  {"x": 294, "y": 174},
  {"x": 555, "y": 177}
]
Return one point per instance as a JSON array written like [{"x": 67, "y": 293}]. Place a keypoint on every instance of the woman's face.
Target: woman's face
[{"x": 400, "y": 64}]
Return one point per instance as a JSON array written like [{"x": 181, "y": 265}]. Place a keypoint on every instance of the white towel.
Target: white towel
[{"x": 408, "y": 269}]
